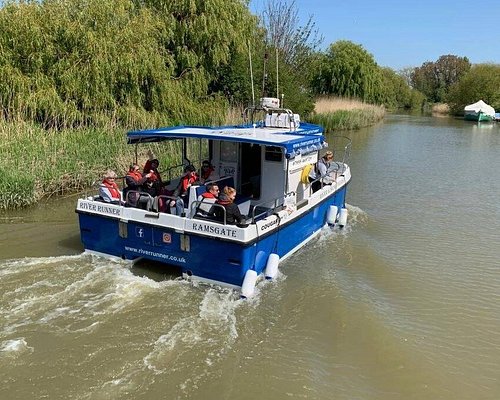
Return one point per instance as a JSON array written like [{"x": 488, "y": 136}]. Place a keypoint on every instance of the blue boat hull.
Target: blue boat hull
[{"x": 205, "y": 257}]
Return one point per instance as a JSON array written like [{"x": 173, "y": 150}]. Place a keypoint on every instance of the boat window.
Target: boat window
[
  {"x": 251, "y": 169},
  {"x": 273, "y": 153},
  {"x": 229, "y": 151},
  {"x": 198, "y": 150}
]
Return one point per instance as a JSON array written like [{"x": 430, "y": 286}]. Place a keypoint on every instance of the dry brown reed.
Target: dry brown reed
[
  {"x": 336, "y": 113},
  {"x": 441, "y": 109},
  {"x": 329, "y": 104}
]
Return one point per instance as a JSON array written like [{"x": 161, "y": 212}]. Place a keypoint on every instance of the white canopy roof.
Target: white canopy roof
[{"x": 480, "y": 106}]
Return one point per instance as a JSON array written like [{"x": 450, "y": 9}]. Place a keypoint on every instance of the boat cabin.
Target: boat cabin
[{"x": 263, "y": 161}]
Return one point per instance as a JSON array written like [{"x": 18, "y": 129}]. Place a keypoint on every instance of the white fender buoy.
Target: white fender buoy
[
  {"x": 272, "y": 266},
  {"x": 331, "y": 216},
  {"x": 248, "y": 286},
  {"x": 343, "y": 217}
]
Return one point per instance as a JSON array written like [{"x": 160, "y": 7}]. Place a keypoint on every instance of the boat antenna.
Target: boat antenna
[
  {"x": 264, "y": 75},
  {"x": 277, "y": 85},
  {"x": 251, "y": 74}
]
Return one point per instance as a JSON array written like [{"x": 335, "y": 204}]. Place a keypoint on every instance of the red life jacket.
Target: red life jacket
[
  {"x": 185, "y": 181},
  {"x": 208, "y": 195},
  {"x": 148, "y": 168},
  {"x": 113, "y": 189},
  {"x": 135, "y": 175},
  {"x": 155, "y": 177},
  {"x": 205, "y": 173}
]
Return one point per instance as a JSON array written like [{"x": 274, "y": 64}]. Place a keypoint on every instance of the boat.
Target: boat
[
  {"x": 479, "y": 111},
  {"x": 266, "y": 159}
]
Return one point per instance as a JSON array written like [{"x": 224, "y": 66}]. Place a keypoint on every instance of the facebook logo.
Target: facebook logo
[{"x": 139, "y": 232}]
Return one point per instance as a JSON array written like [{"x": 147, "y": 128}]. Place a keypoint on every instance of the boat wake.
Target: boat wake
[
  {"x": 181, "y": 342},
  {"x": 95, "y": 306}
]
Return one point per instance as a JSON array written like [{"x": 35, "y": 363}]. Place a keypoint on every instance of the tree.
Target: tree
[
  {"x": 406, "y": 73},
  {"x": 295, "y": 42},
  {"x": 395, "y": 92},
  {"x": 81, "y": 62},
  {"x": 281, "y": 50},
  {"x": 347, "y": 69},
  {"x": 434, "y": 79}
]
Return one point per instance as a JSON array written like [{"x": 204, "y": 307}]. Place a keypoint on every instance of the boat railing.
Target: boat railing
[
  {"x": 341, "y": 144},
  {"x": 335, "y": 170},
  {"x": 311, "y": 185},
  {"x": 269, "y": 207},
  {"x": 139, "y": 199},
  {"x": 248, "y": 115},
  {"x": 163, "y": 203},
  {"x": 143, "y": 200},
  {"x": 210, "y": 216}
]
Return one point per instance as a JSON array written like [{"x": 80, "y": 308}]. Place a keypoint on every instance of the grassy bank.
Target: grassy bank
[
  {"x": 38, "y": 163},
  {"x": 335, "y": 113}
]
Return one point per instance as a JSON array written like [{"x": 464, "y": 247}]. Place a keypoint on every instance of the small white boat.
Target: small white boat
[{"x": 479, "y": 112}]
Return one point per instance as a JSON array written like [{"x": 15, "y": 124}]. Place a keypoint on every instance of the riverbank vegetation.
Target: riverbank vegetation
[
  {"x": 75, "y": 75},
  {"x": 38, "y": 162},
  {"x": 345, "y": 114},
  {"x": 481, "y": 82}
]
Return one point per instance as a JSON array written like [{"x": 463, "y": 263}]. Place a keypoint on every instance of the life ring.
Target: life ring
[{"x": 304, "y": 176}]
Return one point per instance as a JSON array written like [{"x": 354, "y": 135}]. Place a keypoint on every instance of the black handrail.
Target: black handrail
[
  {"x": 197, "y": 203},
  {"x": 276, "y": 204}
]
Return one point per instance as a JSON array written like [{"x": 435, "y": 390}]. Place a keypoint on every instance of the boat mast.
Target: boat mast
[
  {"x": 277, "y": 85},
  {"x": 251, "y": 75},
  {"x": 264, "y": 75}
]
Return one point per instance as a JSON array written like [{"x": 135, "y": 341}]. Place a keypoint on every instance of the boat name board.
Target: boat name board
[
  {"x": 267, "y": 224},
  {"x": 99, "y": 207},
  {"x": 221, "y": 231}
]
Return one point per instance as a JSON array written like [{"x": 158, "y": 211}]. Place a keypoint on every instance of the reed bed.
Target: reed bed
[{"x": 335, "y": 113}]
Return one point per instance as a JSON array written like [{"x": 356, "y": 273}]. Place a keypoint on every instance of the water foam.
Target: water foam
[
  {"x": 15, "y": 346},
  {"x": 73, "y": 302},
  {"x": 30, "y": 264},
  {"x": 210, "y": 334}
]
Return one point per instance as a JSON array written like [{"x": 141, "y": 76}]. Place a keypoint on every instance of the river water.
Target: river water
[{"x": 403, "y": 303}]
